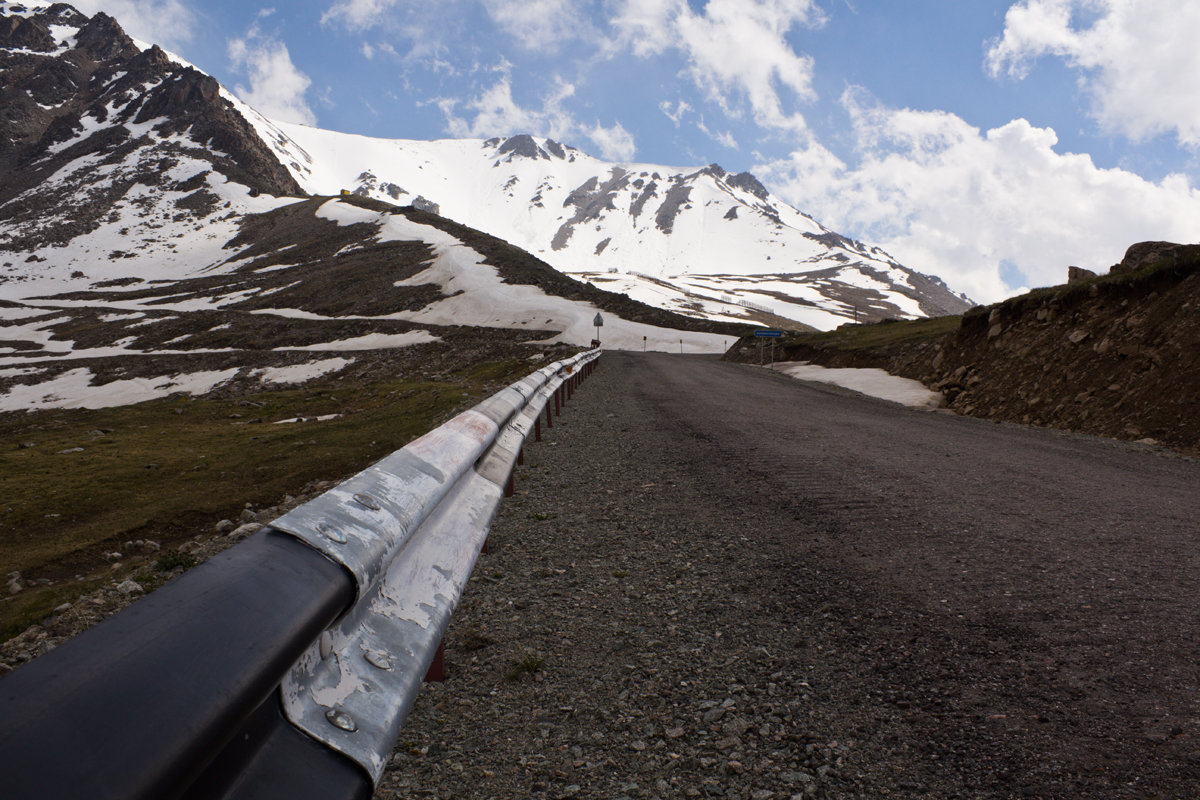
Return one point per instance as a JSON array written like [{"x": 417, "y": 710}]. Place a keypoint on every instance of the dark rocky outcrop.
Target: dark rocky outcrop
[
  {"x": 522, "y": 145},
  {"x": 1144, "y": 253},
  {"x": 592, "y": 200},
  {"x": 677, "y": 197},
  {"x": 95, "y": 98},
  {"x": 747, "y": 182},
  {"x": 1078, "y": 274}
]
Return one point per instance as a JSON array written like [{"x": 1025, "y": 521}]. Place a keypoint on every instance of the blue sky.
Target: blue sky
[{"x": 990, "y": 142}]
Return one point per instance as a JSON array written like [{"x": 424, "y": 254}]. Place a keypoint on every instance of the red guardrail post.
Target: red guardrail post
[{"x": 437, "y": 669}]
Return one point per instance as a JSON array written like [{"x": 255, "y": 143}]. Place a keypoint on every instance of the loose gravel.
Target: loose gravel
[
  {"x": 609, "y": 646},
  {"x": 718, "y": 582}
]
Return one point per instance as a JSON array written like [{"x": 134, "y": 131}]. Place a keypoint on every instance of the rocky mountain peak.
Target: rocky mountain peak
[
  {"x": 522, "y": 145},
  {"x": 525, "y": 146},
  {"x": 97, "y": 133},
  {"x": 747, "y": 182},
  {"x": 102, "y": 39}
]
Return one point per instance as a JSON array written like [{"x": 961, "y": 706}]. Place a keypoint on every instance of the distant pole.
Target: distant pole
[
  {"x": 643, "y": 344},
  {"x": 681, "y": 347}
]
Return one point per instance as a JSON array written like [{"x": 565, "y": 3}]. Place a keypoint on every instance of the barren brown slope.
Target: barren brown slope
[{"x": 1116, "y": 355}]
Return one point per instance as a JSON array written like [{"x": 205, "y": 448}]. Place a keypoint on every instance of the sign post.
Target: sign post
[
  {"x": 767, "y": 334},
  {"x": 598, "y": 322}
]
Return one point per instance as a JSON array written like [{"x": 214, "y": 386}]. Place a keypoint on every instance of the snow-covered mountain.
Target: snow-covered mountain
[
  {"x": 157, "y": 233},
  {"x": 699, "y": 241},
  {"x": 151, "y": 243}
]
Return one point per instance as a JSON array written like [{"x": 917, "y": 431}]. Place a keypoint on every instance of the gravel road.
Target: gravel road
[{"x": 717, "y": 581}]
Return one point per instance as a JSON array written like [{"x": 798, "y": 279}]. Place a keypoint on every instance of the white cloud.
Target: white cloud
[
  {"x": 167, "y": 23},
  {"x": 615, "y": 143},
  {"x": 357, "y": 15},
  {"x": 1139, "y": 62},
  {"x": 277, "y": 87},
  {"x": 496, "y": 113},
  {"x": 723, "y": 138},
  {"x": 674, "y": 114},
  {"x": 736, "y": 50},
  {"x": 945, "y": 198},
  {"x": 542, "y": 25}
]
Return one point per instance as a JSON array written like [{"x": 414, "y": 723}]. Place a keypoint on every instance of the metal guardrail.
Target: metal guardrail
[{"x": 284, "y": 666}]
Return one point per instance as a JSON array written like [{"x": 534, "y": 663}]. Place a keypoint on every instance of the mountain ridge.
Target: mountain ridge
[{"x": 158, "y": 165}]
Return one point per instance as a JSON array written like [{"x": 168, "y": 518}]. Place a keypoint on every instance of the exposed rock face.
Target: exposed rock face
[
  {"x": 525, "y": 146},
  {"x": 591, "y": 200},
  {"x": 90, "y": 96},
  {"x": 1143, "y": 253},
  {"x": 673, "y": 203},
  {"x": 749, "y": 183},
  {"x": 421, "y": 204},
  {"x": 1077, "y": 274}
]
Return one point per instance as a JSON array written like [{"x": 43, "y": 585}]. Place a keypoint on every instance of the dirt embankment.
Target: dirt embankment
[{"x": 1116, "y": 355}]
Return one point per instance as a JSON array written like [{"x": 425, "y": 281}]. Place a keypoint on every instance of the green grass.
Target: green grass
[
  {"x": 527, "y": 663},
  {"x": 168, "y": 470},
  {"x": 882, "y": 334}
]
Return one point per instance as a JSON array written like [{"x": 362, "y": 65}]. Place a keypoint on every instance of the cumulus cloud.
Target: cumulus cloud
[
  {"x": 615, "y": 143},
  {"x": 276, "y": 86},
  {"x": 736, "y": 51},
  {"x": 541, "y": 25},
  {"x": 1138, "y": 62},
  {"x": 167, "y": 23},
  {"x": 357, "y": 15},
  {"x": 985, "y": 210},
  {"x": 496, "y": 113}
]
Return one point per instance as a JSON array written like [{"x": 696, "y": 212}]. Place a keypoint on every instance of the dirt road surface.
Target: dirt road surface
[{"x": 717, "y": 581}]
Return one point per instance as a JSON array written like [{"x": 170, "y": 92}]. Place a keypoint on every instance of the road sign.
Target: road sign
[
  {"x": 768, "y": 334},
  {"x": 598, "y": 321}
]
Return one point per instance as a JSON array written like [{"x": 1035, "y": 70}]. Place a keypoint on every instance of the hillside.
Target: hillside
[
  {"x": 1116, "y": 355},
  {"x": 696, "y": 240}
]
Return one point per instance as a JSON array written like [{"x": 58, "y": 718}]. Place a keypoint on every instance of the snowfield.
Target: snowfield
[{"x": 873, "y": 382}]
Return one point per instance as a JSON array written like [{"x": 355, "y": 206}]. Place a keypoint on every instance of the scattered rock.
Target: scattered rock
[{"x": 242, "y": 531}]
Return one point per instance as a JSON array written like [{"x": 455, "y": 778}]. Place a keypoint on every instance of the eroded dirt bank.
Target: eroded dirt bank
[{"x": 1117, "y": 356}]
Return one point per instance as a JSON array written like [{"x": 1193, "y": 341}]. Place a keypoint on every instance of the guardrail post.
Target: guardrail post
[
  {"x": 437, "y": 668},
  {"x": 510, "y": 486},
  {"x": 549, "y": 416},
  {"x": 537, "y": 428}
]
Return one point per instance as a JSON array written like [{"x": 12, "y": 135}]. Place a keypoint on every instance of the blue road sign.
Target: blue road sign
[{"x": 768, "y": 334}]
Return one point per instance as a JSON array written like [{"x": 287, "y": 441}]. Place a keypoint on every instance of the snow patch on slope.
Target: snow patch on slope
[{"x": 873, "y": 382}]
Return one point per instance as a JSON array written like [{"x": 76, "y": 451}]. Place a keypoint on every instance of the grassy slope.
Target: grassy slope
[{"x": 169, "y": 469}]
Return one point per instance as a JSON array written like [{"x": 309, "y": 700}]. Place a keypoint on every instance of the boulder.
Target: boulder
[
  {"x": 1143, "y": 253},
  {"x": 1078, "y": 274}
]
